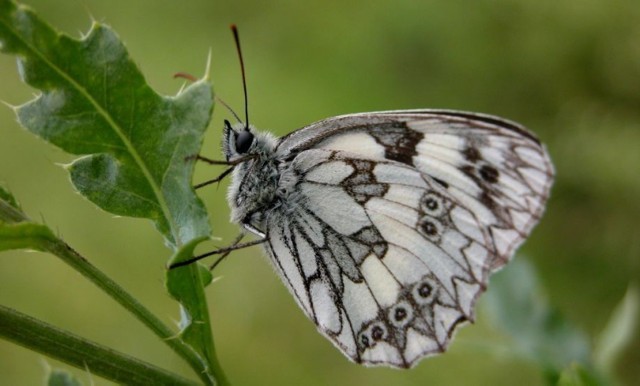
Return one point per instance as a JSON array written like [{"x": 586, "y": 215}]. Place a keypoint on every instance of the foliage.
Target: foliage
[
  {"x": 540, "y": 333},
  {"x": 134, "y": 144}
]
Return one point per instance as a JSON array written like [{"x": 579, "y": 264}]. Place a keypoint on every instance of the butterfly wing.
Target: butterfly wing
[
  {"x": 392, "y": 224},
  {"x": 494, "y": 167}
]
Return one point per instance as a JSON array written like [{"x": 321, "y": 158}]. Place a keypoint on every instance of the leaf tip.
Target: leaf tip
[
  {"x": 14, "y": 108},
  {"x": 65, "y": 166},
  {"x": 19, "y": 7},
  {"x": 619, "y": 331},
  {"x": 89, "y": 14},
  {"x": 208, "y": 66}
]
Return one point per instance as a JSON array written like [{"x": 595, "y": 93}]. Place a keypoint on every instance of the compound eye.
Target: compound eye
[{"x": 244, "y": 139}]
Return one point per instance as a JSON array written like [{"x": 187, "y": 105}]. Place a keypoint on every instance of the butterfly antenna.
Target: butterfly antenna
[{"x": 234, "y": 29}]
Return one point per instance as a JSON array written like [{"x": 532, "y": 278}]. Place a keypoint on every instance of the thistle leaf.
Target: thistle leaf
[
  {"x": 134, "y": 143},
  {"x": 95, "y": 102}
]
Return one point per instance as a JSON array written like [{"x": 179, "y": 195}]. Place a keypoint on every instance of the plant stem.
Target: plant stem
[
  {"x": 44, "y": 240},
  {"x": 79, "y": 352},
  {"x": 131, "y": 304}
]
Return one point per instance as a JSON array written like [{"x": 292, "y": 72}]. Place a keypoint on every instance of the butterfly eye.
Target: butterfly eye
[{"x": 244, "y": 139}]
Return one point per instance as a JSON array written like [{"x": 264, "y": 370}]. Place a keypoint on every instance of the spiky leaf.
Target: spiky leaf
[{"x": 95, "y": 102}]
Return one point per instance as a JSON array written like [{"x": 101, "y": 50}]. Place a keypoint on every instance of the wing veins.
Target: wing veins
[{"x": 427, "y": 266}]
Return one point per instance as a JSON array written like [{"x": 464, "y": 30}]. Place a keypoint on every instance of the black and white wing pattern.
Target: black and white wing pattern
[{"x": 392, "y": 223}]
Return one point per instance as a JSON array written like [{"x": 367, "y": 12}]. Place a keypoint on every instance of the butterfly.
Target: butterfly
[{"x": 386, "y": 226}]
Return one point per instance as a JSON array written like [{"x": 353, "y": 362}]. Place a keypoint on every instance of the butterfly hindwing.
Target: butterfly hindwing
[{"x": 375, "y": 254}]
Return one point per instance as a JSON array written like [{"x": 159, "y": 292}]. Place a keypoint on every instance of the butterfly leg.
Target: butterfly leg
[
  {"x": 210, "y": 161},
  {"x": 224, "y": 255},
  {"x": 222, "y": 175},
  {"x": 222, "y": 251},
  {"x": 213, "y": 181}
]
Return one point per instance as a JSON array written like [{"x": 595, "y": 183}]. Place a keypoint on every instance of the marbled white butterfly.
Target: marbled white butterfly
[{"x": 386, "y": 226}]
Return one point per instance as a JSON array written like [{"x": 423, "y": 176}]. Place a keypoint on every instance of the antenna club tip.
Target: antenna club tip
[{"x": 233, "y": 27}]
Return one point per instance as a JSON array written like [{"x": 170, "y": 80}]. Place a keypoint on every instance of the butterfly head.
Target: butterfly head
[
  {"x": 240, "y": 140},
  {"x": 255, "y": 174}
]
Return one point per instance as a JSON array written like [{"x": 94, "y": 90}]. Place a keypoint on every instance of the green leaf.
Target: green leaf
[
  {"x": 618, "y": 332},
  {"x": 10, "y": 211},
  {"x": 59, "y": 377},
  {"x": 16, "y": 231},
  {"x": 183, "y": 283},
  {"x": 95, "y": 102},
  {"x": 539, "y": 332},
  {"x": 578, "y": 375},
  {"x": 5, "y": 195},
  {"x": 25, "y": 235}
]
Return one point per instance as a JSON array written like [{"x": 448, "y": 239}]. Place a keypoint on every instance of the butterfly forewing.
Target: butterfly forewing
[
  {"x": 495, "y": 168},
  {"x": 386, "y": 226}
]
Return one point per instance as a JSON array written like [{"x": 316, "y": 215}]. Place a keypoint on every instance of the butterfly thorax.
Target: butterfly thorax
[{"x": 254, "y": 182}]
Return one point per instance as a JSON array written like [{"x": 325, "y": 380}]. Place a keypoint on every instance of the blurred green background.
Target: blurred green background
[{"x": 569, "y": 70}]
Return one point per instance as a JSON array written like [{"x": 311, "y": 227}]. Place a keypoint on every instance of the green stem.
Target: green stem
[
  {"x": 131, "y": 304},
  {"x": 192, "y": 280},
  {"x": 20, "y": 233},
  {"x": 202, "y": 315},
  {"x": 74, "y": 350}
]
